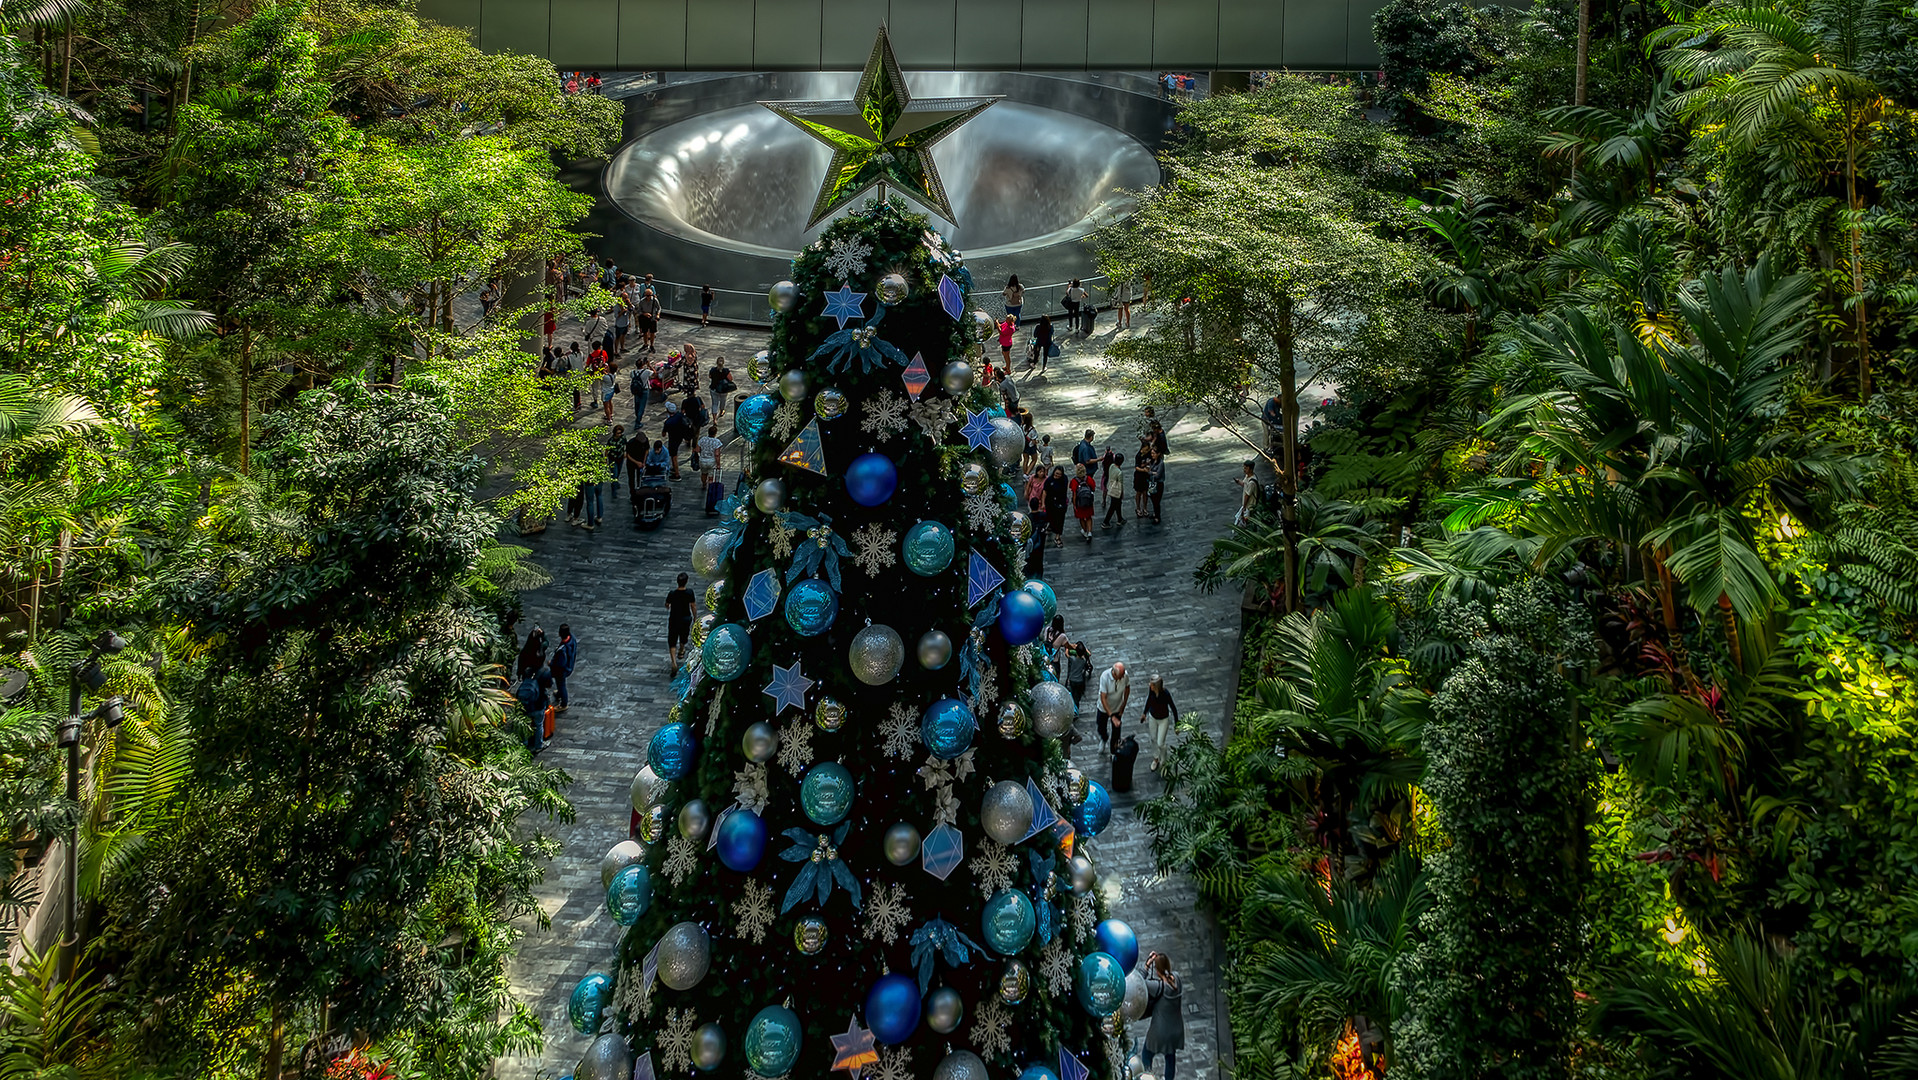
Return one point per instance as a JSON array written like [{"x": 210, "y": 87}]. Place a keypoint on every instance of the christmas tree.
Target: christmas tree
[{"x": 859, "y": 821}]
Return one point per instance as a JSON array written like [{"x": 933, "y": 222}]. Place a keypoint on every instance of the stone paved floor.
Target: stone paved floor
[{"x": 1128, "y": 594}]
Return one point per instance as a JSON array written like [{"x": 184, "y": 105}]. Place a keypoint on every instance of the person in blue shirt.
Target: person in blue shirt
[{"x": 562, "y": 663}]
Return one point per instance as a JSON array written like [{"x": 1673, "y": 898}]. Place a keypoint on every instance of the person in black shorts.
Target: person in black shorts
[{"x": 679, "y": 622}]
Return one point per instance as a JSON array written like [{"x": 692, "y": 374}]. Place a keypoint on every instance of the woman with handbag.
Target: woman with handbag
[{"x": 1164, "y": 1007}]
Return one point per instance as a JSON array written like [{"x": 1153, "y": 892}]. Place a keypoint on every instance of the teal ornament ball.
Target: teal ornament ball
[
  {"x": 1036, "y": 1071},
  {"x": 811, "y": 607},
  {"x": 1100, "y": 984},
  {"x": 1009, "y": 921},
  {"x": 588, "y": 1004},
  {"x": 928, "y": 548},
  {"x": 754, "y": 414},
  {"x": 826, "y": 794},
  {"x": 772, "y": 1040},
  {"x": 1048, "y": 599},
  {"x": 672, "y": 751},
  {"x": 630, "y": 894},
  {"x": 727, "y": 653},
  {"x": 946, "y": 728}
]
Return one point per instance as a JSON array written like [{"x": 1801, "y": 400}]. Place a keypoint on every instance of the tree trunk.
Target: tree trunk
[
  {"x": 1289, "y": 458},
  {"x": 246, "y": 401},
  {"x": 66, "y": 61},
  {"x": 276, "y": 1042},
  {"x": 1857, "y": 258},
  {"x": 1579, "y": 65}
]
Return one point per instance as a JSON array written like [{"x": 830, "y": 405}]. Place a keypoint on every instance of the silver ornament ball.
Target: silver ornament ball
[
  {"x": 760, "y": 368},
  {"x": 935, "y": 650},
  {"x": 760, "y": 742},
  {"x": 703, "y": 626},
  {"x": 1052, "y": 709},
  {"x": 685, "y": 952},
  {"x": 957, "y": 378},
  {"x": 975, "y": 478},
  {"x": 1012, "y": 720},
  {"x": 1077, "y": 786},
  {"x": 944, "y": 1010},
  {"x": 1135, "y": 996},
  {"x": 792, "y": 385},
  {"x": 652, "y": 823},
  {"x": 893, "y": 288},
  {"x": 694, "y": 820},
  {"x": 1082, "y": 875},
  {"x": 1006, "y": 812},
  {"x": 901, "y": 844},
  {"x": 783, "y": 297},
  {"x": 830, "y": 714},
  {"x": 717, "y": 593},
  {"x": 1008, "y": 441},
  {"x": 647, "y": 788},
  {"x": 809, "y": 935},
  {"x": 983, "y": 326},
  {"x": 769, "y": 496},
  {"x": 624, "y": 854},
  {"x": 1019, "y": 524},
  {"x": 709, "y": 551},
  {"x": 1014, "y": 982},
  {"x": 829, "y": 405},
  {"x": 709, "y": 1047},
  {"x": 876, "y": 653},
  {"x": 960, "y": 1065},
  {"x": 608, "y": 1058}
]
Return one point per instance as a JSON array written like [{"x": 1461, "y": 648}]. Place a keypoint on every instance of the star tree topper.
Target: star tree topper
[{"x": 880, "y": 137}]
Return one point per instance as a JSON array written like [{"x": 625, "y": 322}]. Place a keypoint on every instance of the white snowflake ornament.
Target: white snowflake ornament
[
  {"x": 895, "y": 1063},
  {"x": 982, "y": 512},
  {"x": 993, "y": 867},
  {"x": 900, "y": 732},
  {"x": 795, "y": 746},
  {"x": 848, "y": 258},
  {"x": 886, "y": 912},
  {"x": 676, "y": 1041},
  {"x": 682, "y": 860},
  {"x": 991, "y": 1025},
  {"x": 874, "y": 543},
  {"x": 755, "y": 911},
  {"x": 883, "y": 414}
]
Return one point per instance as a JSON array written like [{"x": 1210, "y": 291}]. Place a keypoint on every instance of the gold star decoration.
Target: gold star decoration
[{"x": 881, "y": 136}]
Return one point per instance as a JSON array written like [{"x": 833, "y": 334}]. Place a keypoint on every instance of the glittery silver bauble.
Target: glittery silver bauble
[
  {"x": 624, "y": 854},
  {"x": 608, "y": 1058},
  {"x": 695, "y": 820},
  {"x": 1110, "y": 1026},
  {"x": 876, "y": 653},
  {"x": 1137, "y": 995},
  {"x": 709, "y": 1047},
  {"x": 1012, "y": 720},
  {"x": 893, "y": 288},
  {"x": 1014, "y": 982},
  {"x": 717, "y": 593},
  {"x": 709, "y": 550},
  {"x": 760, "y": 742},
  {"x": 1006, "y": 812},
  {"x": 684, "y": 954},
  {"x": 975, "y": 478},
  {"x": 944, "y": 1010},
  {"x": 830, "y": 715},
  {"x": 792, "y": 385},
  {"x": 809, "y": 935},
  {"x": 935, "y": 649},
  {"x": 901, "y": 844},
  {"x": 647, "y": 787},
  {"x": 1019, "y": 525},
  {"x": 829, "y": 405},
  {"x": 1052, "y": 709},
  {"x": 958, "y": 260},
  {"x": 1077, "y": 786},
  {"x": 957, "y": 378},
  {"x": 703, "y": 626},
  {"x": 1079, "y": 869},
  {"x": 783, "y": 296},
  {"x": 760, "y": 367},
  {"x": 1008, "y": 441},
  {"x": 652, "y": 823},
  {"x": 960, "y": 1065},
  {"x": 769, "y": 496},
  {"x": 983, "y": 326}
]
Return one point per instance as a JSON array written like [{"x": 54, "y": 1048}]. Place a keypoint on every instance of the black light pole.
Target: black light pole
[{"x": 85, "y": 675}]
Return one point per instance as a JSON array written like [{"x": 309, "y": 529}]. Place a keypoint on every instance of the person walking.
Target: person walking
[
  {"x": 1122, "y": 302},
  {"x": 1084, "y": 496},
  {"x": 611, "y": 389},
  {"x": 719, "y": 380},
  {"x": 1058, "y": 496},
  {"x": 1036, "y": 492},
  {"x": 1156, "y": 488},
  {"x": 1008, "y": 393},
  {"x": 1160, "y": 717},
  {"x": 1165, "y": 1006},
  {"x": 679, "y": 622},
  {"x": 1248, "y": 494},
  {"x": 1115, "y": 691},
  {"x": 1112, "y": 482},
  {"x": 706, "y": 311},
  {"x": 591, "y": 507},
  {"x": 649, "y": 310},
  {"x": 642, "y": 391},
  {"x": 709, "y": 450},
  {"x": 565, "y": 364},
  {"x": 535, "y": 694},
  {"x": 532, "y": 655},
  {"x": 1015, "y": 295},
  {"x": 1041, "y": 345},
  {"x": 1078, "y": 312},
  {"x": 565, "y": 659},
  {"x": 1078, "y": 670},
  {"x": 615, "y": 456},
  {"x": 635, "y": 453},
  {"x": 675, "y": 432},
  {"x": 1141, "y": 481},
  {"x": 1007, "y": 327},
  {"x": 622, "y": 324},
  {"x": 1045, "y": 451},
  {"x": 1083, "y": 452}
]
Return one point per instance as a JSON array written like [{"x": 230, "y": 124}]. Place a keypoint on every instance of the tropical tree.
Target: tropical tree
[{"x": 1332, "y": 539}]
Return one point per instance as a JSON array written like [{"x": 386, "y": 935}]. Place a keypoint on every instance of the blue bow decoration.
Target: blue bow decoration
[
  {"x": 819, "y": 553},
  {"x": 822, "y": 870},
  {"x": 861, "y": 343},
  {"x": 734, "y": 515},
  {"x": 1045, "y": 887},
  {"x": 939, "y": 938}
]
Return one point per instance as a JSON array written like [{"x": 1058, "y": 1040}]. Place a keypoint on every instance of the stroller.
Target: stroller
[{"x": 650, "y": 504}]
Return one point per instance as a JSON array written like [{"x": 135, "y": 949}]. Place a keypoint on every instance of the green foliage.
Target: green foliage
[{"x": 1420, "y": 38}]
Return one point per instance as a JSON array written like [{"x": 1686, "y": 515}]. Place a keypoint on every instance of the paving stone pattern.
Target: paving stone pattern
[{"x": 1128, "y": 594}]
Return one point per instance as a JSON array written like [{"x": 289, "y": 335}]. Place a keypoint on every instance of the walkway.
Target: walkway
[{"x": 1128, "y": 594}]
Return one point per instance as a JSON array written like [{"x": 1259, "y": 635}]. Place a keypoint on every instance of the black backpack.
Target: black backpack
[{"x": 1082, "y": 498}]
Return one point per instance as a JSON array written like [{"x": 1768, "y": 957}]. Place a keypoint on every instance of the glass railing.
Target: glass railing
[{"x": 736, "y": 307}]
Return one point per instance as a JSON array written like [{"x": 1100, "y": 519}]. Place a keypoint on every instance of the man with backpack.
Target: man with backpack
[
  {"x": 564, "y": 659},
  {"x": 1085, "y": 453},
  {"x": 532, "y": 696},
  {"x": 677, "y": 431}
]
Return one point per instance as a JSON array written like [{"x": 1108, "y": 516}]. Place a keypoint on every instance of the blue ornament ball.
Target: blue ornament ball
[
  {"x": 947, "y": 727},
  {"x": 1021, "y": 617},
  {"x": 1036, "y": 1071},
  {"x": 630, "y": 894},
  {"x": 727, "y": 651},
  {"x": 927, "y": 548},
  {"x": 826, "y": 794},
  {"x": 772, "y": 1040},
  {"x": 672, "y": 751},
  {"x": 811, "y": 607},
  {"x": 753, "y": 415},
  {"x": 871, "y": 478},
  {"x": 742, "y": 840},
  {"x": 1096, "y": 812},
  {"x": 1100, "y": 984},
  {"x": 1117, "y": 939},
  {"x": 892, "y": 1009},
  {"x": 1048, "y": 599},
  {"x": 1008, "y": 921},
  {"x": 588, "y": 1003}
]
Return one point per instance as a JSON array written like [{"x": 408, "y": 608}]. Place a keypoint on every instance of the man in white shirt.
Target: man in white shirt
[{"x": 1114, "y": 691}]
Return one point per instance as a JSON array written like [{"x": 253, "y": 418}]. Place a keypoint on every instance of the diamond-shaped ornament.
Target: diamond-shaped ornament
[
  {"x": 712, "y": 834},
  {"x": 643, "y": 1068},
  {"x": 1066, "y": 835},
  {"x": 1042, "y": 813},
  {"x": 1070, "y": 1067},
  {"x": 943, "y": 849},
  {"x": 761, "y": 595},
  {"x": 981, "y": 579},
  {"x": 951, "y": 296},
  {"x": 806, "y": 451},
  {"x": 916, "y": 377}
]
